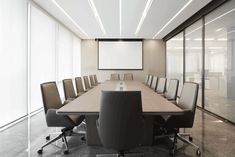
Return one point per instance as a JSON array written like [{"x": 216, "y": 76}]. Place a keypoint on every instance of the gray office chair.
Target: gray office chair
[
  {"x": 154, "y": 83},
  {"x": 69, "y": 91},
  {"x": 161, "y": 86},
  {"x": 171, "y": 93},
  {"x": 128, "y": 76},
  {"x": 146, "y": 80},
  {"x": 86, "y": 82},
  {"x": 52, "y": 102},
  {"x": 96, "y": 80},
  {"x": 120, "y": 123},
  {"x": 150, "y": 80},
  {"x": 187, "y": 101},
  {"x": 79, "y": 86},
  {"x": 92, "y": 81},
  {"x": 115, "y": 77}
]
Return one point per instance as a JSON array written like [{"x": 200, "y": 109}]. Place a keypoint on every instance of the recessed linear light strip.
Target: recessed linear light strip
[
  {"x": 69, "y": 17},
  {"x": 120, "y": 17},
  {"x": 145, "y": 12},
  {"x": 172, "y": 19},
  {"x": 92, "y": 5}
]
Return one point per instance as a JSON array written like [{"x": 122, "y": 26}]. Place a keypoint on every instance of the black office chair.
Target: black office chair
[
  {"x": 120, "y": 123},
  {"x": 69, "y": 91},
  {"x": 52, "y": 102},
  {"x": 187, "y": 102}
]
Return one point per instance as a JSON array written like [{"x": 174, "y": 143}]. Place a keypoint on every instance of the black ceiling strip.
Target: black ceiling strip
[{"x": 195, "y": 17}]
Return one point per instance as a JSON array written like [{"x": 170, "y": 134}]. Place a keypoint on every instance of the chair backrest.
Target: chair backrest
[
  {"x": 86, "y": 82},
  {"x": 146, "y": 79},
  {"x": 69, "y": 91},
  {"x": 115, "y": 76},
  {"x": 92, "y": 81},
  {"x": 172, "y": 90},
  {"x": 161, "y": 85},
  {"x": 154, "y": 83},
  {"x": 79, "y": 85},
  {"x": 188, "y": 101},
  {"x": 50, "y": 96},
  {"x": 120, "y": 119},
  {"x": 128, "y": 76},
  {"x": 150, "y": 80},
  {"x": 95, "y": 79}
]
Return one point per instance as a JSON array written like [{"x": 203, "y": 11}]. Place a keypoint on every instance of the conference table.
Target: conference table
[{"x": 88, "y": 104}]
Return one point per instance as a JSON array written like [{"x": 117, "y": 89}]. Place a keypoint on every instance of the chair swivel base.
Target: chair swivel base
[
  {"x": 62, "y": 136},
  {"x": 181, "y": 136}
]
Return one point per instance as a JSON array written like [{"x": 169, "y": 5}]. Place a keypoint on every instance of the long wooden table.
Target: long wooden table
[{"x": 88, "y": 104}]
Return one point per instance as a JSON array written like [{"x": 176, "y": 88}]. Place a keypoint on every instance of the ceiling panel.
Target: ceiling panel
[
  {"x": 81, "y": 12},
  {"x": 131, "y": 13},
  {"x": 109, "y": 14},
  {"x": 160, "y": 12}
]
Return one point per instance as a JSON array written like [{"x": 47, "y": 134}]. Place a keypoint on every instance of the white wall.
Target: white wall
[{"x": 154, "y": 60}]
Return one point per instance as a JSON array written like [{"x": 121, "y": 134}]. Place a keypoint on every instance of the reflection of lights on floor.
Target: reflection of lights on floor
[{"x": 218, "y": 121}]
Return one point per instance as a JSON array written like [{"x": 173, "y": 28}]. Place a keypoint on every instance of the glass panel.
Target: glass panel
[
  {"x": 42, "y": 54},
  {"x": 193, "y": 56},
  {"x": 174, "y": 59},
  {"x": 220, "y": 61},
  {"x": 13, "y": 60}
]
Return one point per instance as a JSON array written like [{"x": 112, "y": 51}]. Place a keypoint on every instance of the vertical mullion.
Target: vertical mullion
[
  {"x": 184, "y": 56},
  {"x": 203, "y": 62}
]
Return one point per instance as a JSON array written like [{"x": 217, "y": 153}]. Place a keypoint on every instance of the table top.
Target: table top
[{"x": 89, "y": 102}]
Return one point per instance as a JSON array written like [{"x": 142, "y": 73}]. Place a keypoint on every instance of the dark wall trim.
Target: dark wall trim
[
  {"x": 116, "y": 39},
  {"x": 198, "y": 15},
  {"x": 184, "y": 57}
]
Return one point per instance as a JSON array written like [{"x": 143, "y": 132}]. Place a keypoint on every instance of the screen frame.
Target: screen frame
[{"x": 128, "y": 40}]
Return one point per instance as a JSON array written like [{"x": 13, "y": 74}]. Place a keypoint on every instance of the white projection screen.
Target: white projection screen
[{"x": 120, "y": 55}]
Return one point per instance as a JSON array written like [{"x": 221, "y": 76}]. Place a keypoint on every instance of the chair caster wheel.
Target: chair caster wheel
[
  {"x": 48, "y": 138},
  {"x": 198, "y": 152},
  {"x": 40, "y": 151},
  {"x": 83, "y": 138},
  {"x": 190, "y": 139},
  {"x": 66, "y": 152}
]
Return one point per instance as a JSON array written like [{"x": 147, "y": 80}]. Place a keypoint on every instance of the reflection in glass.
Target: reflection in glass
[
  {"x": 193, "y": 55},
  {"x": 220, "y": 61},
  {"x": 174, "y": 59}
]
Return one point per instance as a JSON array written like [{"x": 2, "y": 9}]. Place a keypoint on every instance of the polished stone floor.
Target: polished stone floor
[{"x": 215, "y": 138}]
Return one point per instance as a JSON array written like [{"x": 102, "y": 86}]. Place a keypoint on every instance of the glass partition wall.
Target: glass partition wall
[
  {"x": 174, "y": 61},
  {"x": 220, "y": 61},
  {"x": 207, "y": 48},
  {"x": 193, "y": 56}
]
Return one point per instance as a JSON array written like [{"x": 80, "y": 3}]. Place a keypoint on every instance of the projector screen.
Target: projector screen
[{"x": 120, "y": 55}]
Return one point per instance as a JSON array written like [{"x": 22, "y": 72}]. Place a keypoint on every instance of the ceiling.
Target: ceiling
[{"x": 121, "y": 22}]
